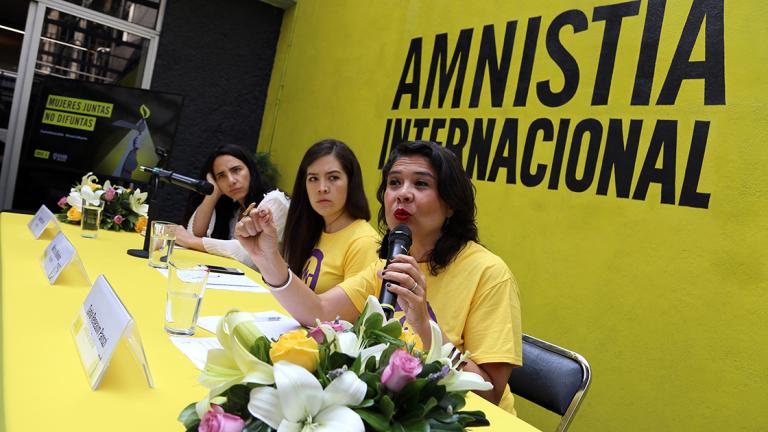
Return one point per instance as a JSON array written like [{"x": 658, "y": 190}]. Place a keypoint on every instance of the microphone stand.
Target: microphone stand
[{"x": 154, "y": 181}]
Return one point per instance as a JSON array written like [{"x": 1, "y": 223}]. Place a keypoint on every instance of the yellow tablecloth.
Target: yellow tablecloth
[{"x": 43, "y": 384}]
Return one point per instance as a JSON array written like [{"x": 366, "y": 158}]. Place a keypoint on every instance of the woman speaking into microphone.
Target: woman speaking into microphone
[{"x": 447, "y": 277}]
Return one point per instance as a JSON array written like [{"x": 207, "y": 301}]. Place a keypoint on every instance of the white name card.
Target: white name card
[
  {"x": 57, "y": 256},
  {"x": 101, "y": 323},
  {"x": 41, "y": 220}
]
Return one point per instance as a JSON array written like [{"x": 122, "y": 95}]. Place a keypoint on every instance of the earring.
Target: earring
[{"x": 446, "y": 222}]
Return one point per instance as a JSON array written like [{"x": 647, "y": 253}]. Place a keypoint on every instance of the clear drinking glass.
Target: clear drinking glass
[
  {"x": 91, "y": 218},
  {"x": 163, "y": 237},
  {"x": 186, "y": 286}
]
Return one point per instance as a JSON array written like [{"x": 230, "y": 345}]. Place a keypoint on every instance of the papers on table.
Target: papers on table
[
  {"x": 196, "y": 349},
  {"x": 229, "y": 282},
  {"x": 271, "y": 323}
]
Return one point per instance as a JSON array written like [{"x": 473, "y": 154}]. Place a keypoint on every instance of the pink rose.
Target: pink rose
[
  {"x": 109, "y": 194},
  {"x": 317, "y": 332},
  {"x": 401, "y": 370},
  {"x": 62, "y": 202},
  {"x": 118, "y": 219},
  {"x": 216, "y": 420}
]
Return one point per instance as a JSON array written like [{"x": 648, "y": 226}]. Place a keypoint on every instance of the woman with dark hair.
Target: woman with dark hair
[
  {"x": 449, "y": 278},
  {"x": 236, "y": 184},
  {"x": 327, "y": 236}
]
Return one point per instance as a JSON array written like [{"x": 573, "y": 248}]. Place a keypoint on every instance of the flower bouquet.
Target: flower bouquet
[
  {"x": 336, "y": 377},
  {"x": 124, "y": 210}
]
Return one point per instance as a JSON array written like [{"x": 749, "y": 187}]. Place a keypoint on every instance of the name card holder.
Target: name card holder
[
  {"x": 101, "y": 323},
  {"x": 60, "y": 253},
  {"x": 40, "y": 220}
]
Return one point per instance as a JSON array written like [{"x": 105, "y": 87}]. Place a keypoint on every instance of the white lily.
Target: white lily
[
  {"x": 299, "y": 403},
  {"x": 233, "y": 364},
  {"x": 75, "y": 198},
  {"x": 349, "y": 344},
  {"x": 137, "y": 202},
  {"x": 89, "y": 180},
  {"x": 456, "y": 380},
  {"x": 373, "y": 307}
]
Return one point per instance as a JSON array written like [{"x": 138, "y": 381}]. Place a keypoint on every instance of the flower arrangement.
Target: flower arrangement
[
  {"x": 123, "y": 209},
  {"x": 336, "y": 376}
]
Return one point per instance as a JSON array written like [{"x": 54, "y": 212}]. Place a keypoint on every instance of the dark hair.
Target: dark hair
[
  {"x": 453, "y": 186},
  {"x": 304, "y": 225},
  {"x": 226, "y": 207}
]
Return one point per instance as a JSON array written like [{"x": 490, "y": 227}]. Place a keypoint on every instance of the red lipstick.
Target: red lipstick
[{"x": 402, "y": 215}]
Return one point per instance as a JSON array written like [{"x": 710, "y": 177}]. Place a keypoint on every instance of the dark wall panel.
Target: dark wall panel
[{"x": 219, "y": 55}]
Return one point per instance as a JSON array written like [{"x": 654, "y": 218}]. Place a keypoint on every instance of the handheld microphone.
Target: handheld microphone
[
  {"x": 199, "y": 186},
  {"x": 399, "y": 243}
]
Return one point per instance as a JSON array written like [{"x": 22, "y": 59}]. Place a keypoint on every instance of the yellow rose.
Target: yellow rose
[
  {"x": 412, "y": 338},
  {"x": 297, "y": 348},
  {"x": 74, "y": 214},
  {"x": 141, "y": 224}
]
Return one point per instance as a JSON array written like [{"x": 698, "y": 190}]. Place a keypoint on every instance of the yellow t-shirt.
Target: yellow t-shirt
[
  {"x": 475, "y": 300},
  {"x": 340, "y": 255}
]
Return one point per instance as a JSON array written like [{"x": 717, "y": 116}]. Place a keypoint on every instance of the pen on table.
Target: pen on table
[{"x": 267, "y": 319}]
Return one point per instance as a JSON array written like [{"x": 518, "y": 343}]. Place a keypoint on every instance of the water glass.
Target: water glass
[
  {"x": 91, "y": 218},
  {"x": 186, "y": 286},
  {"x": 163, "y": 237}
]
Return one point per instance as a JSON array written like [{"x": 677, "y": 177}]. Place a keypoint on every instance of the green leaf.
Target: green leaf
[
  {"x": 411, "y": 390},
  {"x": 374, "y": 322},
  {"x": 260, "y": 349},
  {"x": 366, "y": 403},
  {"x": 374, "y": 420},
  {"x": 370, "y": 365},
  {"x": 397, "y": 427},
  {"x": 419, "y": 425},
  {"x": 435, "y": 425},
  {"x": 188, "y": 416},
  {"x": 454, "y": 400},
  {"x": 387, "y": 407},
  {"x": 358, "y": 363},
  {"x": 386, "y": 354},
  {"x": 430, "y": 369},
  {"x": 444, "y": 417},
  {"x": 431, "y": 403},
  {"x": 337, "y": 360},
  {"x": 473, "y": 418},
  {"x": 393, "y": 329},
  {"x": 380, "y": 336},
  {"x": 238, "y": 397}
]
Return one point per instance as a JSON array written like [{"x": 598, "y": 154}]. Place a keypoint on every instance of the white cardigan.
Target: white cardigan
[{"x": 275, "y": 201}]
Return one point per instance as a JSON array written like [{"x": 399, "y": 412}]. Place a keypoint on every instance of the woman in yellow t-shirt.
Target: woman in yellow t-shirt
[
  {"x": 449, "y": 278},
  {"x": 327, "y": 235}
]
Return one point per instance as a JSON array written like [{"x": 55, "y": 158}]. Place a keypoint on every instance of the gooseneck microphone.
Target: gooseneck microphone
[
  {"x": 399, "y": 243},
  {"x": 199, "y": 186}
]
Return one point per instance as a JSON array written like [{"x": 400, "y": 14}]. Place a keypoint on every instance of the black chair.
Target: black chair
[{"x": 551, "y": 377}]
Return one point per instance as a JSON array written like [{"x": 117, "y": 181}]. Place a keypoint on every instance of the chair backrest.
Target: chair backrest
[{"x": 551, "y": 377}]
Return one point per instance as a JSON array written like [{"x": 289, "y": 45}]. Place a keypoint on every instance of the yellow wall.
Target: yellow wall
[{"x": 666, "y": 300}]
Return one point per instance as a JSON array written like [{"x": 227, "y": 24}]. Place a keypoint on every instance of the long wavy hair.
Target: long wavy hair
[
  {"x": 226, "y": 207},
  {"x": 304, "y": 225},
  {"x": 453, "y": 186}
]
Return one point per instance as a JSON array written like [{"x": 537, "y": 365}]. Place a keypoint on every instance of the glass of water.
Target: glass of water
[
  {"x": 163, "y": 237},
  {"x": 186, "y": 286},
  {"x": 91, "y": 218}
]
